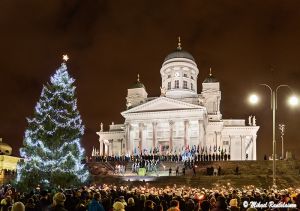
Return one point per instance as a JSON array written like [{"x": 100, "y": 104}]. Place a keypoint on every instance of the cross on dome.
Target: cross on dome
[{"x": 179, "y": 44}]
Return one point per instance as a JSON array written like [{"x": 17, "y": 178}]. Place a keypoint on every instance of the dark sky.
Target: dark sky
[{"x": 109, "y": 42}]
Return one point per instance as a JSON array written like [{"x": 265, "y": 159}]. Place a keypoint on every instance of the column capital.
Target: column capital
[
  {"x": 128, "y": 125},
  {"x": 142, "y": 125},
  {"x": 154, "y": 123},
  {"x": 171, "y": 122}
]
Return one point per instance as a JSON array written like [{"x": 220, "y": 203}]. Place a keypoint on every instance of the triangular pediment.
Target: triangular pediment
[{"x": 162, "y": 104}]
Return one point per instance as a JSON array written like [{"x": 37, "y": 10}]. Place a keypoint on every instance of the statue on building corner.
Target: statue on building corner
[
  {"x": 128, "y": 104},
  {"x": 162, "y": 92},
  {"x": 101, "y": 127},
  {"x": 253, "y": 121},
  {"x": 201, "y": 101},
  {"x": 249, "y": 120}
]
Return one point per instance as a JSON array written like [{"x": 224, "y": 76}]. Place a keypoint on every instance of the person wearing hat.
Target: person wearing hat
[
  {"x": 118, "y": 206},
  {"x": 234, "y": 205},
  {"x": 18, "y": 206},
  {"x": 130, "y": 205},
  {"x": 58, "y": 202},
  {"x": 95, "y": 205},
  {"x": 6, "y": 203},
  {"x": 44, "y": 202}
]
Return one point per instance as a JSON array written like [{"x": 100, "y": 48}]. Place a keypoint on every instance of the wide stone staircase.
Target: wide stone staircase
[{"x": 258, "y": 173}]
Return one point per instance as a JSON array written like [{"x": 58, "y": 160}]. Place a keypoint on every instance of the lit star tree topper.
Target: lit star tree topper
[{"x": 52, "y": 151}]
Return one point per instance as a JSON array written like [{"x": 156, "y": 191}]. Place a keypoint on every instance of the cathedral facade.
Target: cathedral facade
[{"x": 179, "y": 120}]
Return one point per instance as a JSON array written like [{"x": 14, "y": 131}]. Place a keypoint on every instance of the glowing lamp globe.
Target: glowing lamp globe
[
  {"x": 293, "y": 101},
  {"x": 253, "y": 99}
]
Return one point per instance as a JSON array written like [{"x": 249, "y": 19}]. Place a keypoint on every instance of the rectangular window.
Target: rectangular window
[
  {"x": 169, "y": 76},
  {"x": 225, "y": 142},
  {"x": 185, "y": 84},
  {"x": 185, "y": 75},
  {"x": 192, "y": 77},
  {"x": 177, "y": 84},
  {"x": 169, "y": 85},
  {"x": 192, "y": 87}
]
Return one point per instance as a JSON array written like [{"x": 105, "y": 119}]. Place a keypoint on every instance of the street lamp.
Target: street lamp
[
  {"x": 282, "y": 130},
  {"x": 293, "y": 100}
]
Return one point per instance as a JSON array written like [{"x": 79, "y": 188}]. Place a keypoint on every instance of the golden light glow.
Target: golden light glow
[
  {"x": 293, "y": 100},
  {"x": 253, "y": 99},
  {"x": 65, "y": 57}
]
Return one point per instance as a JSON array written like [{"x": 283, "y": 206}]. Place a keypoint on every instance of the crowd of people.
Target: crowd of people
[
  {"x": 196, "y": 157},
  {"x": 120, "y": 169},
  {"x": 146, "y": 198},
  {"x": 149, "y": 165}
]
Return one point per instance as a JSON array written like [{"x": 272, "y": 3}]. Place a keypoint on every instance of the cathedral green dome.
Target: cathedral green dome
[{"x": 179, "y": 53}]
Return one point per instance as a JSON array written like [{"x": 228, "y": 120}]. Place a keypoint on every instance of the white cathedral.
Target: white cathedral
[{"x": 181, "y": 118}]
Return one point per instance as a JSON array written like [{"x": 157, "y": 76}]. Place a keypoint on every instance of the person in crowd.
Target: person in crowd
[
  {"x": 95, "y": 204},
  {"x": 174, "y": 204},
  {"x": 130, "y": 205},
  {"x": 58, "y": 202},
  {"x": 237, "y": 170},
  {"x": 118, "y": 206},
  {"x": 221, "y": 204},
  {"x": 30, "y": 205},
  {"x": 205, "y": 205},
  {"x": 234, "y": 205},
  {"x": 149, "y": 206},
  {"x": 18, "y": 206},
  {"x": 6, "y": 203},
  {"x": 43, "y": 202}
]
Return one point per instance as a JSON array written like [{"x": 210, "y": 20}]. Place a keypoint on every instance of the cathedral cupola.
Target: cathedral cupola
[
  {"x": 210, "y": 78},
  {"x": 179, "y": 74},
  {"x": 136, "y": 94},
  {"x": 211, "y": 97}
]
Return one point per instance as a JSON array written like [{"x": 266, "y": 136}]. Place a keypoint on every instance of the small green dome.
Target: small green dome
[
  {"x": 5, "y": 149},
  {"x": 210, "y": 78},
  {"x": 138, "y": 84}
]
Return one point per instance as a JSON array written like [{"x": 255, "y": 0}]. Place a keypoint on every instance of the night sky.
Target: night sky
[{"x": 109, "y": 42}]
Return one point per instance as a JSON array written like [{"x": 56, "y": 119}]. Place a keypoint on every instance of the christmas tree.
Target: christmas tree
[{"x": 52, "y": 152}]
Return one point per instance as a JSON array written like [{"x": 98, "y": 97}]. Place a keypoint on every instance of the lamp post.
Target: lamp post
[
  {"x": 282, "y": 130},
  {"x": 273, "y": 94}
]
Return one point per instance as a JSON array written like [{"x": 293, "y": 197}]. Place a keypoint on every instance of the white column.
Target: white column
[
  {"x": 154, "y": 142},
  {"x": 219, "y": 142},
  {"x": 171, "y": 124},
  {"x": 141, "y": 127},
  {"x": 186, "y": 133},
  {"x": 254, "y": 146},
  {"x": 101, "y": 147},
  {"x": 201, "y": 133},
  {"x": 111, "y": 147},
  {"x": 243, "y": 148},
  {"x": 128, "y": 144},
  {"x": 105, "y": 149}
]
